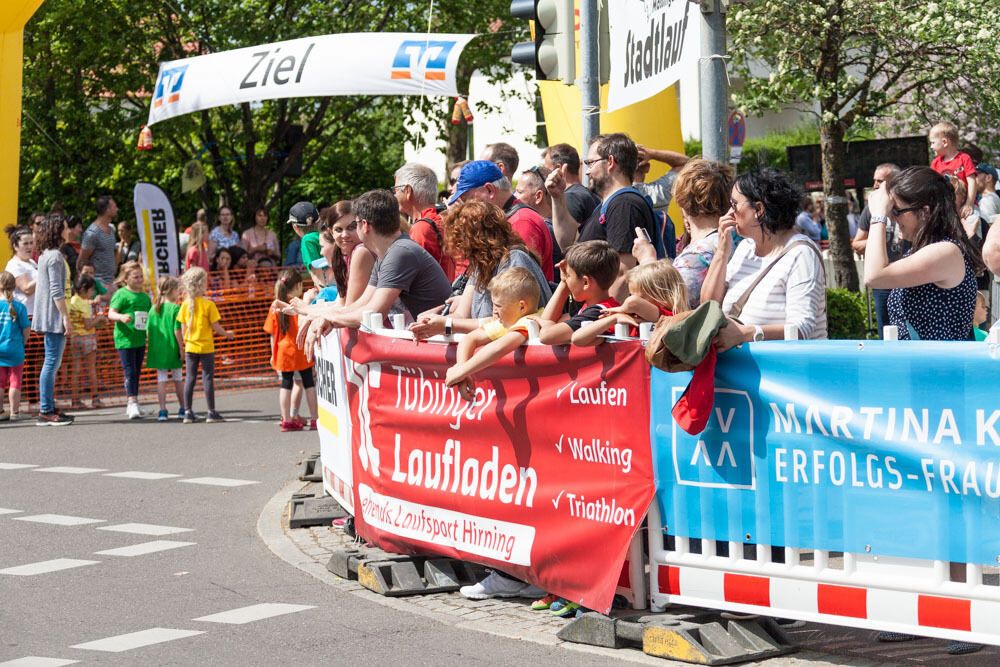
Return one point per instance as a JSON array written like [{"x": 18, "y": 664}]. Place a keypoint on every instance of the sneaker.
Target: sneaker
[
  {"x": 290, "y": 426},
  {"x": 53, "y": 419},
  {"x": 180, "y": 413},
  {"x": 162, "y": 416},
  {"x": 189, "y": 417},
  {"x": 299, "y": 419},
  {"x": 545, "y": 602},
  {"x": 496, "y": 586},
  {"x": 567, "y": 609},
  {"x": 214, "y": 418},
  {"x": 312, "y": 424},
  {"x": 142, "y": 411},
  {"x": 15, "y": 416},
  {"x": 132, "y": 411}
]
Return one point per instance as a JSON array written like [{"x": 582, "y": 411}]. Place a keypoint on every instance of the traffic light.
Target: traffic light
[{"x": 553, "y": 52}]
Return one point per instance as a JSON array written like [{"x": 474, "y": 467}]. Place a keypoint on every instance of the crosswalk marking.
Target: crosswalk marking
[
  {"x": 144, "y": 529},
  {"x": 254, "y": 612},
  {"x": 139, "y": 639},
  {"x": 144, "y": 548},
  {"x": 58, "y": 519},
  {"x": 217, "y": 481},
  {"x": 36, "y": 661},
  {"x": 70, "y": 470},
  {"x": 46, "y": 566},
  {"x": 16, "y": 466},
  {"x": 138, "y": 474},
  {"x": 5, "y": 510}
]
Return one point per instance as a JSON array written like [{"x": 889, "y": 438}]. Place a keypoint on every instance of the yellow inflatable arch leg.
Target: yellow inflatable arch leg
[{"x": 13, "y": 15}]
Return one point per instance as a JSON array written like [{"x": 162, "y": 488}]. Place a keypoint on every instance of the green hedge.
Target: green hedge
[
  {"x": 845, "y": 314},
  {"x": 766, "y": 151}
]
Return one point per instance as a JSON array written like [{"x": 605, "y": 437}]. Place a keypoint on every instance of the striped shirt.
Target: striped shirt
[{"x": 793, "y": 292}]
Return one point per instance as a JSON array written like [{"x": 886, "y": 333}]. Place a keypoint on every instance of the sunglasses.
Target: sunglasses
[{"x": 896, "y": 212}]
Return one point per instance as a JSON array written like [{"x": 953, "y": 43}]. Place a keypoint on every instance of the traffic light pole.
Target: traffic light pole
[
  {"x": 714, "y": 88},
  {"x": 589, "y": 81}
]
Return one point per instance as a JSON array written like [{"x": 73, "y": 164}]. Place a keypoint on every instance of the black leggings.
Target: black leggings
[
  {"x": 131, "y": 358},
  {"x": 288, "y": 377},
  {"x": 191, "y": 362}
]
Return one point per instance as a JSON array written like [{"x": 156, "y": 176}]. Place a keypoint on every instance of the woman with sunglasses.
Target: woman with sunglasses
[
  {"x": 933, "y": 286},
  {"x": 775, "y": 276}
]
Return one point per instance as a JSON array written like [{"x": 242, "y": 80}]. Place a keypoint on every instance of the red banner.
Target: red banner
[{"x": 545, "y": 475}]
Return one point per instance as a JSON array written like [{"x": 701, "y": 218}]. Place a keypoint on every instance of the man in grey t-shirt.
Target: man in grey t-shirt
[
  {"x": 97, "y": 247},
  {"x": 403, "y": 270}
]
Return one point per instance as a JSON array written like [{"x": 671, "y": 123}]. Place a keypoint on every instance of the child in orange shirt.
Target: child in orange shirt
[{"x": 286, "y": 357}]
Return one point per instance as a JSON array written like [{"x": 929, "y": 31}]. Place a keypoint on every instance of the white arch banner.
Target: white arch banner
[{"x": 383, "y": 63}]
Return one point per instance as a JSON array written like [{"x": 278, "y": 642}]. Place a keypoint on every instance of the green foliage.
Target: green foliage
[
  {"x": 88, "y": 75},
  {"x": 769, "y": 150},
  {"x": 845, "y": 315}
]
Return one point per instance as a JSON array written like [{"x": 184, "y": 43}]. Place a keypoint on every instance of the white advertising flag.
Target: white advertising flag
[
  {"x": 383, "y": 63},
  {"x": 157, "y": 232},
  {"x": 652, "y": 42}
]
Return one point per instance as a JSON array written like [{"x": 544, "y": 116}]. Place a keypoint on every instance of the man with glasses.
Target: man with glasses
[
  {"x": 416, "y": 191},
  {"x": 481, "y": 179},
  {"x": 895, "y": 246},
  {"x": 580, "y": 202},
  {"x": 611, "y": 163},
  {"x": 531, "y": 190}
]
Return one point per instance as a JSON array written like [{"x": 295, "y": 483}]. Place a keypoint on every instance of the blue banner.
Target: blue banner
[{"x": 887, "y": 448}]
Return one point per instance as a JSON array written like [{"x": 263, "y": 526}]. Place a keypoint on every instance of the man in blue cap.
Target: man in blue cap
[{"x": 481, "y": 179}]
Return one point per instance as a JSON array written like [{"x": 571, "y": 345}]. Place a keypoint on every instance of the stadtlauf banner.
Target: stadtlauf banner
[
  {"x": 384, "y": 63},
  {"x": 652, "y": 43},
  {"x": 157, "y": 232}
]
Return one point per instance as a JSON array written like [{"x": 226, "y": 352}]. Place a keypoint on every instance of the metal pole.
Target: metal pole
[
  {"x": 589, "y": 81},
  {"x": 714, "y": 84}
]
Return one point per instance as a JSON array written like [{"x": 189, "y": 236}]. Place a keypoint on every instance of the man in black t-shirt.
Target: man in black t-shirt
[
  {"x": 580, "y": 201},
  {"x": 611, "y": 163}
]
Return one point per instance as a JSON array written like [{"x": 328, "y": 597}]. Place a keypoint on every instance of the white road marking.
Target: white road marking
[
  {"x": 46, "y": 566},
  {"x": 137, "y": 640},
  {"x": 145, "y": 529},
  {"x": 144, "y": 548},
  {"x": 137, "y": 474},
  {"x": 58, "y": 519},
  {"x": 16, "y": 466},
  {"x": 70, "y": 470},
  {"x": 217, "y": 481},
  {"x": 254, "y": 612},
  {"x": 4, "y": 510},
  {"x": 36, "y": 661}
]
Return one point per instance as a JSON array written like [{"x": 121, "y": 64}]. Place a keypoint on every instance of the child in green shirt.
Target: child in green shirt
[
  {"x": 165, "y": 341},
  {"x": 129, "y": 310}
]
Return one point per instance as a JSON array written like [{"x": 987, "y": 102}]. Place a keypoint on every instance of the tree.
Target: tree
[
  {"x": 854, "y": 64},
  {"x": 88, "y": 77}
]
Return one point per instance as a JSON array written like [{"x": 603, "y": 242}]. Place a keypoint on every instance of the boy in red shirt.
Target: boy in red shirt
[{"x": 949, "y": 161}]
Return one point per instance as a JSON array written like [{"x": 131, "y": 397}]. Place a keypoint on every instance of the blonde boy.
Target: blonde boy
[
  {"x": 949, "y": 161},
  {"x": 515, "y": 294}
]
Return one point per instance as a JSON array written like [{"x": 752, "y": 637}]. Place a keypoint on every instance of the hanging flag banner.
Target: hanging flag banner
[
  {"x": 334, "y": 423},
  {"x": 497, "y": 480},
  {"x": 651, "y": 43},
  {"x": 382, "y": 63},
  {"x": 157, "y": 232},
  {"x": 881, "y": 448}
]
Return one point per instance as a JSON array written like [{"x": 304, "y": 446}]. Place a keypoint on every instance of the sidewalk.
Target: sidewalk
[{"x": 309, "y": 549}]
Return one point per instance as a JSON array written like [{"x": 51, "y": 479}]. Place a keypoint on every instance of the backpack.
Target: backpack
[{"x": 664, "y": 237}]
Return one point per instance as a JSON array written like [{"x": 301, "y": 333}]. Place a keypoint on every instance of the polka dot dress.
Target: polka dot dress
[{"x": 935, "y": 313}]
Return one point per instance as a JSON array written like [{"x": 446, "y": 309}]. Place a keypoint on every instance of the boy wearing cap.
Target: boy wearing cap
[
  {"x": 303, "y": 217},
  {"x": 989, "y": 202}
]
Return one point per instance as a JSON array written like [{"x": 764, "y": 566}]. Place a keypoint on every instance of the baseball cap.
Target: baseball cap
[
  {"x": 320, "y": 263},
  {"x": 984, "y": 168},
  {"x": 474, "y": 175},
  {"x": 303, "y": 213}
]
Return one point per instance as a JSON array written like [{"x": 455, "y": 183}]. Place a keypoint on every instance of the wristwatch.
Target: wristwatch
[
  {"x": 879, "y": 220},
  {"x": 448, "y": 321},
  {"x": 758, "y": 334}
]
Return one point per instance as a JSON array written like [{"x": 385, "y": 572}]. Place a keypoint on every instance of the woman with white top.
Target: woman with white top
[
  {"x": 775, "y": 276},
  {"x": 22, "y": 266}
]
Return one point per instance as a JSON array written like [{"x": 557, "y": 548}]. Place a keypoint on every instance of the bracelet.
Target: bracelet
[
  {"x": 448, "y": 321},
  {"x": 878, "y": 220}
]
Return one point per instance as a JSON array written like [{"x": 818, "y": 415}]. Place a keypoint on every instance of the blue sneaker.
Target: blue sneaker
[
  {"x": 568, "y": 609},
  {"x": 162, "y": 417},
  {"x": 180, "y": 413}
]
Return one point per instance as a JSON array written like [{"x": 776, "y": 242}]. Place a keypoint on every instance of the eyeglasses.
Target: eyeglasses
[
  {"x": 396, "y": 188},
  {"x": 896, "y": 212},
  {"x": 592, "y": 162},
  {"x": 736, "y": 204},
  {"x": 452, "y": 181}
]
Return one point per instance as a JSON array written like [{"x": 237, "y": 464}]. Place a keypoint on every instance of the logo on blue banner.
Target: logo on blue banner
[
  {"x": 427, "y": 59},
  {"x": 168, "y": 86},
  {"x": 721, "y": 456}
]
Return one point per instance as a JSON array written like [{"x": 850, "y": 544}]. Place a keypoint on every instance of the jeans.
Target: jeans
[
  {"x": 880, "y": 297},
  {"x": 55, "y": 343},
  {"x": 191, "y": 362},
  {"x": 132, "y": 358}
]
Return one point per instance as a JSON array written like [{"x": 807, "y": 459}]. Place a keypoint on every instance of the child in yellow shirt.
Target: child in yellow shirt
[{"x": 199, "y": 319}]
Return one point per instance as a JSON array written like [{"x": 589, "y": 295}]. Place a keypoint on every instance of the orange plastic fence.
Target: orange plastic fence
[{"x": 241, "y": 364}]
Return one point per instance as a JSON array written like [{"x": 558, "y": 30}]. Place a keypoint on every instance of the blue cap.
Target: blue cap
[
  {"x": 319, "y": 263},
  {"x": 474, "y": 175},
  {"x": 984, "y": 168}
]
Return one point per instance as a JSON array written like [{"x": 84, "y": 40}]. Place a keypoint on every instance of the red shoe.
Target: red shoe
[
  {"x": 301, "y": 421},
  {"x": 291, "y": 426},
  {"x": 312, "y": 424}
]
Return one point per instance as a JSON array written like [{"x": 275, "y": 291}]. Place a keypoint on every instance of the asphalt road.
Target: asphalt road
[{"x": 193, "y": 583}]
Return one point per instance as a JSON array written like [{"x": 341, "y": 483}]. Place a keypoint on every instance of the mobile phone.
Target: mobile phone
[{"x": 642, "y": 234}]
